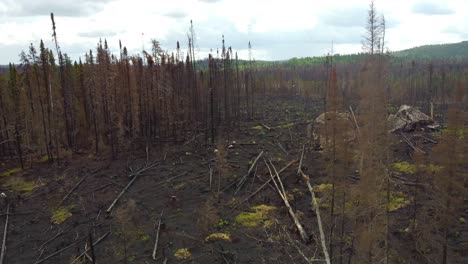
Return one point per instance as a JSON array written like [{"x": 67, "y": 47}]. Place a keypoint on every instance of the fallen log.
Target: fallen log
[
  {"x": 72, "y": 190},
  {"x": 136, "y": 174},
  {"x": 5, "y": 231},
  {"x": 282, "y": 193},
  {"x": 319, "y": 219},
  {"x": 156, "y": 241}
]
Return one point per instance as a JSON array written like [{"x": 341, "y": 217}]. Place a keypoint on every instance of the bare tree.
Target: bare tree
[{"x": 371, "y": 39}]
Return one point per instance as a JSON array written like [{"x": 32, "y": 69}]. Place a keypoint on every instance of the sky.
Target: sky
[{"x": 278, "y": 30}]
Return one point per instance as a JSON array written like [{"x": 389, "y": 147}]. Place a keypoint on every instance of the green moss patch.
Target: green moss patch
[
  {"x": 19, "y": 185},
  {"x": 323, "y": 188},
  {"x": 44, "y": 158},
  {"x": 61, "y": 214},
  {"x": 183, "y": 253},
  {"x": 259, "y": 217},
  {"x": 459, "y": 132},
  {"x": 433, "y": 168},
  {"x": 218, "y": 237},
  {"x": 397, "y": 201},
  {"x": 288, "y": 125},
  {"x": 11, "y": 171},
  {"x": 405, "y": 167}
]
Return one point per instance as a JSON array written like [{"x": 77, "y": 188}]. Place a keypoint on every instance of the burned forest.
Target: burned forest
[{"x": 173, "y": 155}]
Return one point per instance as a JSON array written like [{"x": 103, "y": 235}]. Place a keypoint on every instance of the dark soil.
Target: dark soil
[{"x": 179, "y": 188}]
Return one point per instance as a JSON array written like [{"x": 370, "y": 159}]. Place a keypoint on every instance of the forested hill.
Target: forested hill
[
  {"x": 453, "y": 51},
  {"x": 436, "y": 52}
]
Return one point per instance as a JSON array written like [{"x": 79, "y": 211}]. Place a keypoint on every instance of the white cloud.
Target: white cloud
[
  {"x": 277, "y": 29},
  {"x": 431, "y": 8}
]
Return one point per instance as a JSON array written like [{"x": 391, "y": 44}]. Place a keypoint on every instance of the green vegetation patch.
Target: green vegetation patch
[
  {"x": 323, "y": 188},
  {"x": 257, "y": 218},
  {"x": 61, "y": 214},
  {"x": 218, "y": 237},
  {"x": 324, "y": 191},
  {"x": 144, "y": 238},
  {"x": 405, "y": 167},
  {"x": 433, "y": 168},
  {"x": 459, "y": 132},
  {"x": 392, "y": 108},
  {"x": 44, "y": 158},
  {"x": 19, "y": 185},
  {"x": 288, "y": 125},
  {"x": 260, "y": 130},
  {"x": 183, "y": 253},
  {"x": 397, "y": 201},
  {"x": 222, "y": 223},
  {"x": 11, "y": 171}
]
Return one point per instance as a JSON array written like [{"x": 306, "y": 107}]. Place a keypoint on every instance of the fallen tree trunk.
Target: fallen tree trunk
[
  {"x": 319, "y": 219},
  {"x": 2, "y": 256},
  {"x": 282, "y": 194}
]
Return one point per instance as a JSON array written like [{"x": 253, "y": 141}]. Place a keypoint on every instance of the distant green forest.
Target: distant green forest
[
  {"x": 454, "y": 51},
  {"x": 449, "y": 52}
]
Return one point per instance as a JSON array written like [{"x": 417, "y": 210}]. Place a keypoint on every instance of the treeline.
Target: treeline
[{"x": 107, "y": 102}]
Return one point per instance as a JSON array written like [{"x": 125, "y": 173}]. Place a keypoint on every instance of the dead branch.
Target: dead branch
[
  {"x": 20, "y": 213},
  {"x": 167, "y": 181},
  {"x": 239, "y": 185},
  {"x": 86, "y": 250},
  {"x": 5, "y": 230},
  {"x": 266, "y": 127},
  {"x": 265, "y": 184},
  {"x": 282, "y": 194},
  {"x": 72, "y": 190},
  {"x": 99, "y": 188},
  {"x": 146, "y": 167},
  {"x": 295, "y": 246},
  {"x": 300, "y": 162},
  {"x": 120, "y": 194},
  {"x": 282, "y": 148},
  {"x": 195, "y": 155},
  {"x": 354, "y": 119},
  {"x": 319, "y": 219},
  {"x": 57, "y": 252},
  {"x": 211, "y": 176},
  {"x": 40, "y": 255},
  {"x": 157, "y": 236},
  {"x": 6, "y": 141},
  {"x": 428, "y": 139},
  {"x": 86, "y": 256},
  {"x": 411, "y": 144},
  {"x": 48, "y": 241},
  {"x": 135, "y": 176}
]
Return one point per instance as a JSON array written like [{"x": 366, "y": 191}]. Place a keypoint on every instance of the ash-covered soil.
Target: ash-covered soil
[{"x": 193, "y": 189}]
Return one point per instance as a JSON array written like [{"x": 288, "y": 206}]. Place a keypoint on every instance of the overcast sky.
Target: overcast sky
[{"x": 277, "y": 29}]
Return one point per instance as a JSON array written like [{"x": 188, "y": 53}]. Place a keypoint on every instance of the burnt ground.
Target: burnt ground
[{"x": 178, "y": 187}]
